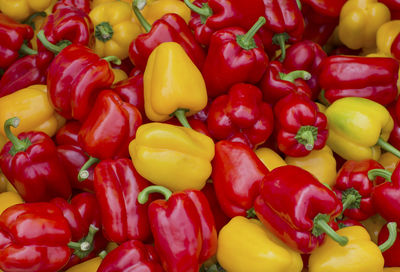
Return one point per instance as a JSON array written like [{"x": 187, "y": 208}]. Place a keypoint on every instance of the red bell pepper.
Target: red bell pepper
[
  {"x": 73, "y": 97},
  {"x": 394, "y": 7},
  {"x": 209, "y": 16},
  {"x": 327, "y": 8},
  {"x": 234, "y": 56},
  {"x": 117, "y": 185},
  {"x": 301, "y": 127},
  {"x": 237, "y": 174},
  {"x": 372, "y": 78},
  {"x": 132, "y": 256},
  {"x": 169, "y": 28},
  {"x": 354, "y": 188},
  {"x": 318, "y": 32},
  {"x": 278, "y": 82},
  {"x": 30, "y": 163},
  {"x": 68, "y": 134},
  {"x": 83, "y": 5},
  {"x": 391, "y": 255},
  {"x": 395, "y": 47},
  {"x": 182, "y": 218},
  {"x": 343, "y": 223},
  {"x": 394, "y": 138},
  {"x": 241, "y": 115},
  {"x": 297, "y": 208}
]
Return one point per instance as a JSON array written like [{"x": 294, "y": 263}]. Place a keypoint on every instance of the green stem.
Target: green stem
[
  {"x": 83, "y": 172},
  {"x": 251, "y": 213},
  {"x": 139, "y": 15},
  {"x": 306, "y": 136},
  {"x": 103, "y": 31},
  {"x": 323, "y": 99},
  {"x": 299, "y": 4},
  {"x": 205, "y": 10},
  {"x": 388, "y": 147},
  {"x": 372, "y": 174},
  {"x": 113, "y": 59},
  {"x": 17, "y": 144},
  {"x": 85, "y": 245},
  {"x": 392, "y": 227},
  {"x": 51, "y": 47},
  {"x": 292, "y": 76},
  {"x": 103, "y": 254},
  {"x": 143, "y": 196},
  {"x": 349, "y": 201},
  {"x": 321, "y": 226},
  {"x": 26, "y": 50},
  {"x": 246, "y": 41},
  {"x": 30, "y": 19},
  {"x": 180, "y": 114},
  {"x": 280, "y": 39}
]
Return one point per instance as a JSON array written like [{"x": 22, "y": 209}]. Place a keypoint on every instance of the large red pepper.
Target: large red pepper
[
  {"x": 297, "y": 208},
  {"x": 68, "y": 134},
  {"x": 182, "y": 218},
  {"x": 278, "y": 82},
  {"x": 391, "y": 255},
  {"x": 316, "y": 31},
  {"x": 237, "y": 174},
  {"x": 83, "y": 5},
  {"x": 327, "y": 8},
  {"x": 394, "y": 109},
  {"x": 234, "y": 56},
  {"x": 30, "y": 163},
  {"x": 372, "y": 78},
  {"x": 354, "y": 188},
  {"x": 73, "y": 97},
  {"x": 301, "y": 127},
  {"x": 117, "y": 185},
  {"x": 169, "y": 28},
  {"x": 241, "y": 115}
]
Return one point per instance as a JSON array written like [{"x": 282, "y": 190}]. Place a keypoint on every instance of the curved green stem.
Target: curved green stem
[
  {"x": 299, "y": 4},
  {"x": 26, "y": 50},
  {"x": 292, "y": 76},
  {"x": 246, "y": 41},
  {"x": 85, "y": 245},
  {"x": 306, "y": 136},
  {"x": 17, "y": 144},
  {"x": 30, "y": 19},
  {"x": 373, "y": 173},
  {"x": 103, "y": 31},
  {"x": 83, "y": 172},
  {"x": 280, "y": 39},
  {"x": 139, "y": 15},
  {"x": 323, "y": 99},
  {"x": 204, "y": 11},
  {"x": 321, "y": 226},
  {"x": 113, "y": 59},
  {"x": 392, "y": 227},
  {"x": 51, "y": 47},
  {"x": 143, "y": 196},
  {"x": 388, "y": 147},
  {"x": 180, "y": 114}
]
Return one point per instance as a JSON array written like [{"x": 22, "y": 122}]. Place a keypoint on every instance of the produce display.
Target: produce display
[{"x": 199, "y": 135}]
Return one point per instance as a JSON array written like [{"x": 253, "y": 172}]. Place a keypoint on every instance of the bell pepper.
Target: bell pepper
[
  {"x": 114, "y": 28},
  {"x": 395, "y": 48},
  {"x": 181, "y": 218},
  {"x": 237, "y": 174},
  {"x": 68, "y": 134},
  {"x": 385, "y": 36},
  {"x": 355, "y": 189},
  {"x": 95, "y": 3},
  {"x": 169, "y": 28},
  {"x": 326, "y": 7},
  {"x": 246, "y": 245},
  {"x": 359, "y": 22},
  {"x": 278, "y": 82},
  {"x": 358, "y": 127},
  {"x": 88, "y": 266},
  {"x": 117, "y": 185},
  {"x": 394, "y": 6},
  {"x": 209, "y": 16},
  {"x": 83, "y": 5},
  {"x": 391, "y": 269},
  {"x": 8, "y": 199},
  {"x": 20, "y": 10},
  {"x": 234, "y": 56},
  {"x": 155, "y": 9},
  {"x": 13, "y": 37},
  {"x": 169, "y": 74},
  {"x": 300, "y": 126},
  {"x": 391, "y": 255},
  {"x": 241, "y": 115},
  {"x": 321, "y": 163},
  {"x": 178, "y": 158},
  {"x": 74, "y": 99},
  {"x": 373, "y": 225},
  {"x": 300, "y": 224},
  {"x": 130, "y": 256},
  {"x": 270, "y": 158},
  {"x": 394, "y": 138},
  {"x": 389, "y": 161}
]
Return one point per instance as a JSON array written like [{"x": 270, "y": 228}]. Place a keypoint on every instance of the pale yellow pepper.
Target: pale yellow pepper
[
  {"x": 154, "y": 10},
  {"x": 8, "y": 199},
  {"x": 389, "y": 161},
  {"x": 20, "y": 10},
  {"x": 270, "y": 158}
]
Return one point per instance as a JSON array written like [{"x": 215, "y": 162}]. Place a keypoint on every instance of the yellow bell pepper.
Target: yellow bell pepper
[
  {"x": 358, "y": 127},
  {"x": 3, "y": 140},
  {"x": 374, "y": 225},
  {"x": 389, "y": 161},
  {"x": 20, "y": 10},
  {"x": 359, "y": 255},
  {"x": 154, "y": 10},
  {"x": 8, "y": 199},
  {"x": 33, "y": 108},
  {"x": 320, "y": 163},
  {"x": 270, "y": 158},
  {"x": 115, "y": 28},
  {"x": 88, "y": 266},
  {"x": 3, "y": 183},
  {"x": 95, "y": 3},
  {"x": 359, "y": 21},
  {"x": 245, "y": 245},
  {"x": 386, "y": 35},
  {"x": 175, "y": 157},
  {"x": 119, "y": 75},
  {"x": 391, "y": 269}
]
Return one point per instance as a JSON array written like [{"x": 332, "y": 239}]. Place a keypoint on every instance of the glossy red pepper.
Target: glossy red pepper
[
  {"x": 237, "y": 174},
  {"x": 394, "y": 109},
  {"x": 391, "y": 255},
  {"x": 395, "y": 47},
  {"x": 297, "y": 208},
  {"x": 241, "y": 115},
  {"x": 30, "y": 163},
  {"x": 300, "y": 126},
  {"x": 372, "y": 78},
  {"x": 74, "y": 98},
  {"x": 182, "y": 218},
  {"x": 278, "y": 82},
  {"x": 234, "y": 56},
  {"x": 169, "y": 28},
  {"x": 354, "y": 188},
  {"x": 117, "y": 185},
  {"x": 394, "y": 7},
  {"x": 132, "y": 256},
  {"x": 83, "y": 5},
  {"x": 68, "y": 134},
  {"x": 326, "y": 7}
]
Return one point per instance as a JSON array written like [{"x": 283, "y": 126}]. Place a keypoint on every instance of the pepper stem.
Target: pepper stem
[
  {"x": 351, "y": 199},
  {"x": 143, "y": 196},
  {"x": 251, "y": 213},
  {"x": 180, "y": 114},
  {"x": 113, "y": 59},
  {"x": 388, "y": 147},
  {"x": 306, "y": 136},
  {"x": 85, "y": 245},
  {"x": 205, "y": 11},
  {"x": 139, "y": 15},
  {"x": 26, "y": 50},
  {"x": 280, "y": 39},
  {"x": 103, "y": 254},
  {"x": 83, "y": 172},
  {"x": 103, "y": 31},
  {"x": 30, "y": 19},
  {"x": 321, "y": 226},
  {"x": 247, "y": 41},
  {"x": 292, "y": 76},
  {"x": 17, "y": 144},
  {"x": 392, "y": 227},
  {"x": 373, "y": 173},
  {"x": 323, "y": 99},
  {"x": 51, "y": 47}
]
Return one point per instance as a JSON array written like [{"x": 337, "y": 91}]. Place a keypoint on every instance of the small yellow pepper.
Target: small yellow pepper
[
  {"x": 88, "y": 266},
  {"x": 245, "y": 245},
  {"x": 374, "y": 225},
  {"x": 389, "y": 161},
  {"x": 359, "y": 21},
  {"x": 154, "y": 10},
  {"x": 270, "y": 158},
  {"x": 8, "y": 199},
  {"x": 33, "y": 108},
  {"x": 115, "y": 28},
  {"x": 20, "y": 10},
  {"x": 119, "y": 75},
  {"x": 175, "y": 157}
]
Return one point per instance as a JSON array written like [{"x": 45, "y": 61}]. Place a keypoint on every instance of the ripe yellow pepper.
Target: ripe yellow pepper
[
  {"x": 270, "y": 158},
  {"x": 391, "y": 269},
  {"x": 20, "y": 10},
  {"x": 8, "y": 199},
  {"x": 374, "y": 225},
  {"x": 175, "y": 157},
  {"x": 33, "y": 108},
  {"x": 88, "y": 266},
  {"x": 246, "y": 245},
  {"x": 115, "y": 28},
  {"x": 119, "y": 75},
  {"x": 385, "y": 36},
  {"x": 359, "y": 22},
  {"x": 154, "y": 10},
  {"x": 95, "y": 3},
  {"x": 389, "y": 161},
  {"x": 320, "y": 163}
]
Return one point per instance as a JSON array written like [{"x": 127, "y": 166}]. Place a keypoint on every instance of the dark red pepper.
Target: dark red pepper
[
  {"x": 327, "y": 8},
  {"x": 391, "y": 255},
  {"x": 394, "y": 110},
  {"x": 395, "y": 47},
  {"x": 83, "y": 5},
  {"x": 68, "y": 134}
]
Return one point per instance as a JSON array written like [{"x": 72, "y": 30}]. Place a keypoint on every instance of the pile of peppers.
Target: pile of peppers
[{"x": 199, "y": 136}]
